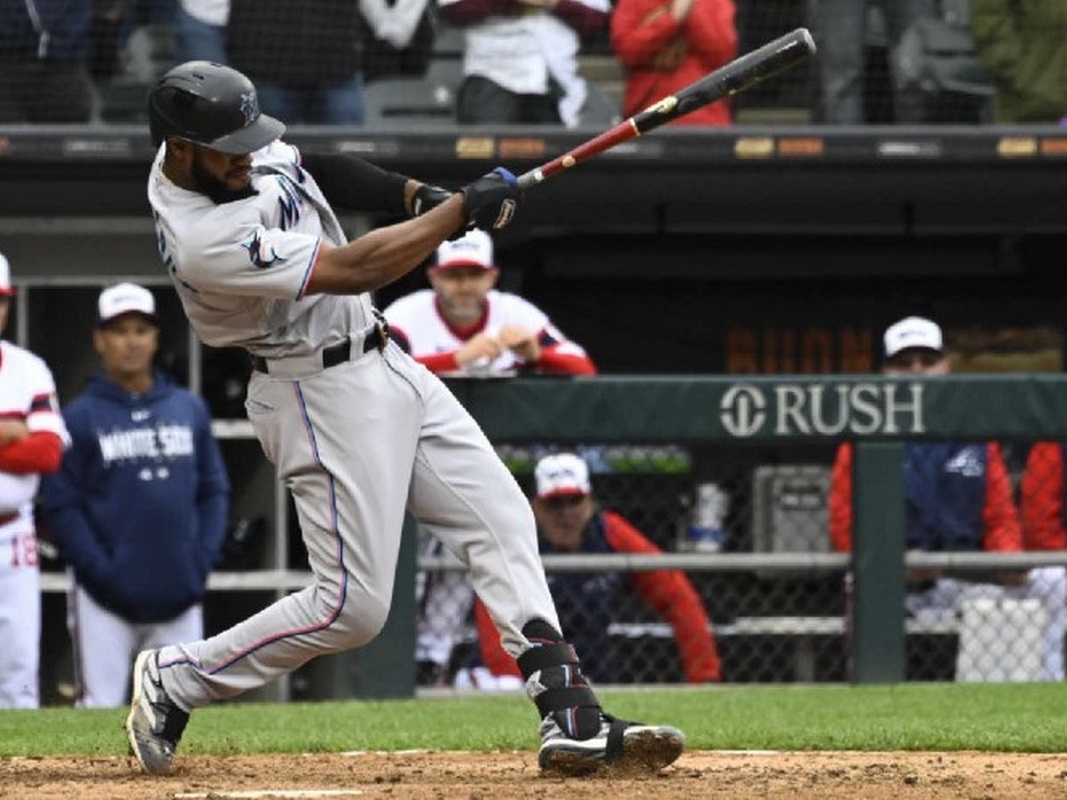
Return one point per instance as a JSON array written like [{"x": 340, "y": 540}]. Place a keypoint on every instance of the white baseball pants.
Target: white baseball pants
[{"x": 355, "y": 444}]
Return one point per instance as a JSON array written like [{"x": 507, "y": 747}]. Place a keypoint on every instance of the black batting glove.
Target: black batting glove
[
  {"x": 427, "y": 196},
  {"x": 490, "y": 202}
]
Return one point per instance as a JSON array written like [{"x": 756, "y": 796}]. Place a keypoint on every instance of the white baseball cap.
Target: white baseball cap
[
  {"x": 474, "y": 249},
  {"x": 561, "y": 474},
  {"x": 125, "y": 298},
  {"x": 913, "y": 332},
  {"x": 6, "y": 289}
]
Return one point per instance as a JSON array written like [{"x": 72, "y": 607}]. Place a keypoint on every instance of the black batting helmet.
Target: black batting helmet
[{"x": 212, "y": 105}]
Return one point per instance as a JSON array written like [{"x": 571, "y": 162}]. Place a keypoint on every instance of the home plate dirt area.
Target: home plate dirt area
[{"x": 507, "y": 775}]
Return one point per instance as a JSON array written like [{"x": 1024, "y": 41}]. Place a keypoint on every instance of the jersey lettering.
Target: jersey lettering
[
  {"x": 167, "y": 441},
  {"x": 24, "y": 551},
  {"x": 288, "y": 203}
]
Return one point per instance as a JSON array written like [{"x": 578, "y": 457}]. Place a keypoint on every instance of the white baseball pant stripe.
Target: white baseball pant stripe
[{"x": 355, "y": 444}]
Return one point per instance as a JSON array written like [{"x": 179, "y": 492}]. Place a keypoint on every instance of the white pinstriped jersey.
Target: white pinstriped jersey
[
  {"x": 416, "y": 318},
  {"x": 241, "y": 268},
  {"x": 27, "y": 393}
]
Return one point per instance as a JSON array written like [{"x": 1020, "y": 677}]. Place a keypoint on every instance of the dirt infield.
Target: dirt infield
[{"x": 503, "y": 776}]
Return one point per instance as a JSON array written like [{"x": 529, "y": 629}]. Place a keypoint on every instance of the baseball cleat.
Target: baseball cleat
[
  {"x": 155, "y": 722},
  {"x": 624, "y": 746}
]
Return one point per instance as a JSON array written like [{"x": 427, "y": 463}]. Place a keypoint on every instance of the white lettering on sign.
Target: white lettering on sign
[{"x": 823, "y": 409}]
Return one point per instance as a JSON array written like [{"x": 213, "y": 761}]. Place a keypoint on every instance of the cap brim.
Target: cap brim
[
  {"x": 928, "y": 348},
  {"x": 10, "y": 291},
  {"x": 119, "y": 314},
  {"x": 567, "y": 492},
  {"x": 251, "y": 138},
  {"x": 463, "y": 262}
]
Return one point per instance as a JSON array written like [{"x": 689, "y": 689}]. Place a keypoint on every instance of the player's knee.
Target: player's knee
[{"x": 360, "y": 621}]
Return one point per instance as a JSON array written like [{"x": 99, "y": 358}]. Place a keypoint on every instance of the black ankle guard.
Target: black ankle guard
[{"x": 565, "y": 694}]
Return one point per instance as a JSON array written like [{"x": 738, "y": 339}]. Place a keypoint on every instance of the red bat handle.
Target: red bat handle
[{"x": 598, "y": 144}]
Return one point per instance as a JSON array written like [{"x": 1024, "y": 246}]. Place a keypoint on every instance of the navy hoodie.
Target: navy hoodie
[{"x": 139, "y": 506}]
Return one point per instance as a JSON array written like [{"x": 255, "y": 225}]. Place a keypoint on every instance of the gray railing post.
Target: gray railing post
[{"x": 877, "y": 642}]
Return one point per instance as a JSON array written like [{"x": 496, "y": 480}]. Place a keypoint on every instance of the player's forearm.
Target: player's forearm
[
  {"x": 358, "y": 185},
  {"x": 555, "y": 361},
  {"x": 39, "y": 453},
  {"x": 383, "y": 255}
]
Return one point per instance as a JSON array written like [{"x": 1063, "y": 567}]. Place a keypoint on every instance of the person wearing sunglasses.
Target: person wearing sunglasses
[
  {"x": 570, "y": 520},
  {"x": 959, "y": 497}
]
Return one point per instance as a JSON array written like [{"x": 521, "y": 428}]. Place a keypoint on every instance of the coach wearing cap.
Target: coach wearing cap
[
  {"x": 958, "y": 497},
  {"x": 465, "y": 324},
  {"x": 569, "y": 520},
  {"x": 139, "y": 506}
]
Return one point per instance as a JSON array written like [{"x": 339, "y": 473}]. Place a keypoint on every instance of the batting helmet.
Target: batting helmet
[{"x": 212, "y": 105}]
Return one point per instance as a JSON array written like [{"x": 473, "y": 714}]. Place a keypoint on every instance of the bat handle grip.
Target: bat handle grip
[{"x": 530, "y": 178}]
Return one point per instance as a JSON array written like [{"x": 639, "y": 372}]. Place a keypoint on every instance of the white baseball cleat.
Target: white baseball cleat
[
  {"x": 155, "y": 723},
  {"x": 626, "y": 746}
]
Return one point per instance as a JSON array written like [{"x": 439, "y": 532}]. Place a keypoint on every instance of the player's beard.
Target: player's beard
[{"x": 207, "y": 184}]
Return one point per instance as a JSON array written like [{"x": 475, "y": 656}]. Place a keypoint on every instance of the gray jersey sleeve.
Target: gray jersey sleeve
[{"x": 251, "y": 260}]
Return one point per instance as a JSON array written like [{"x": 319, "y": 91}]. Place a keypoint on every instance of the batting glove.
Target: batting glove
[
  {"x": 490, "y": 202},
  {"x": 428, "y": 196}
]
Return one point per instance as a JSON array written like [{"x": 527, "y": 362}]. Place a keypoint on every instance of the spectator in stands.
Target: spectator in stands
[
  {"x": 400, "y": 37},
  {"x": 840, "y": 28},
  {"x": 200, "y": 30},
  {"x": 44, "y": 50},
  {"x": 464, "y": 325},
  {"x": 521, "y": 59},
  {"x": 139, "y": 506},
  {"x": 304, "y": 57},
  {"x": 666, "y": 46},
  {"x": 570, "y": 521},
  {"x": 959, "y": 498},
  {"x": 1024, "y": 46},
  {"x": 32, "y": 440}
]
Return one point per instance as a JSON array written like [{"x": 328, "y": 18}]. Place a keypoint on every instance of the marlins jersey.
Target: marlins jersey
[
  {"x": 241, "y": 268},
  {"x": 417, "y": 325},
  {"x": 27, "y": 393}
]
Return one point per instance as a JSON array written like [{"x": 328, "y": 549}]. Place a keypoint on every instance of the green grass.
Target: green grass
[{"x": 994, "y": 717}]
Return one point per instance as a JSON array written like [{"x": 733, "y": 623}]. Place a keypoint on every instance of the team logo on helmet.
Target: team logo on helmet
[{"x": 249, "y": 107}]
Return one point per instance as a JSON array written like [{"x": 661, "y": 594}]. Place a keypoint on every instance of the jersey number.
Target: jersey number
[{"x": 24, "y": 551}]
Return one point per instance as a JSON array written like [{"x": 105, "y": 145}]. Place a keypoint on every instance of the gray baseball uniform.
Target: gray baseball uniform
[{"x": 354, "y": 442}]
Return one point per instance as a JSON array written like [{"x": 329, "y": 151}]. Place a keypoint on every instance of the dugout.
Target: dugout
[{"x": 760, "y": 250}]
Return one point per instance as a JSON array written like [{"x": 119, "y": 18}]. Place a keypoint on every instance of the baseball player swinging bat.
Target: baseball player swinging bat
[{"x": 741, "y": 73}]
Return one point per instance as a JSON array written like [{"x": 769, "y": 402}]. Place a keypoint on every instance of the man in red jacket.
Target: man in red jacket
[{"x": 570, "y": 521}]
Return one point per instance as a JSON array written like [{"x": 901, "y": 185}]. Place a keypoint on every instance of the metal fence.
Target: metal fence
[{"x": 782, "y": 605}]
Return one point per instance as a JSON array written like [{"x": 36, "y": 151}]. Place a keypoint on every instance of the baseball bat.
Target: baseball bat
[{"x": 729, "y": 79}]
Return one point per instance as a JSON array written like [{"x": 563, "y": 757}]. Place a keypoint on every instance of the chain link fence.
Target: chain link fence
[{"x": 749, "y": 527}]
